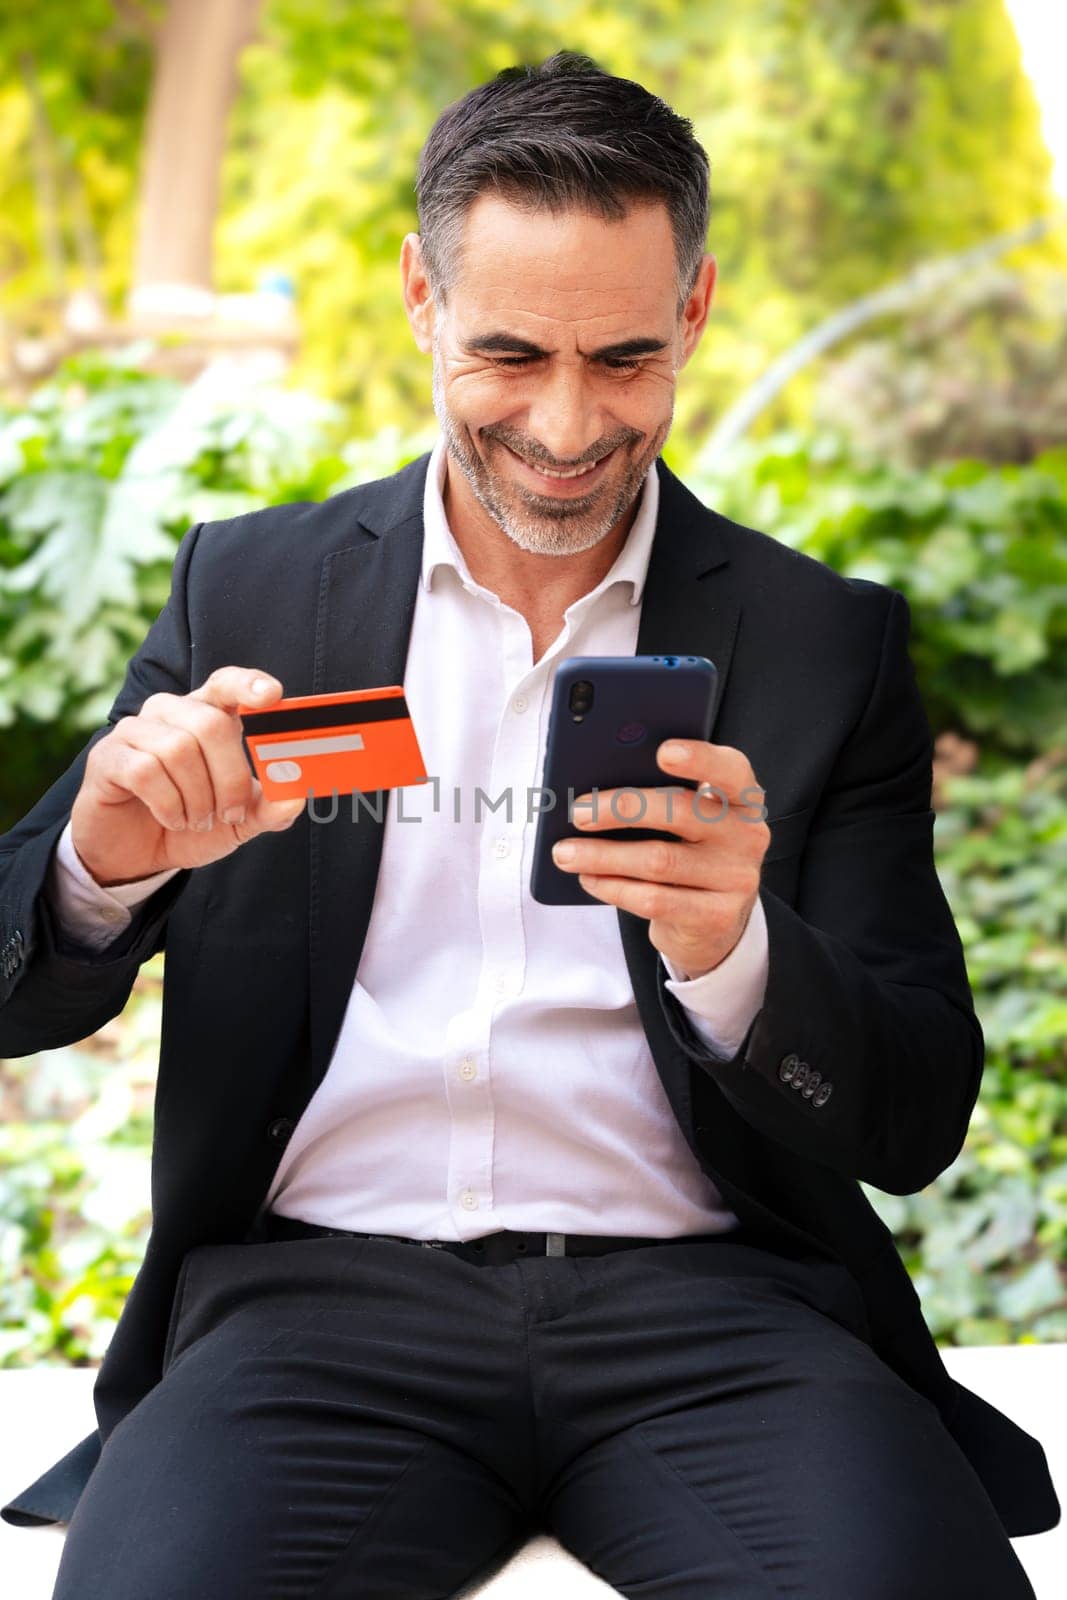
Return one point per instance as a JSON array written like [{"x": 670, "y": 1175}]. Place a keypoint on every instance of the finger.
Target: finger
[
  {"x": 219, "y": 731},
  {"x": 672, "y": 808},
  {"x": 661, "y": 861},
  {"x": 722, "y": 765},
  {"x": 143, "y": 763},
  {"x": 229, "y": 687},
  {"x": 219, "y": 774},
  {"x": 271, "y": 816},
  {"x": 682, "y": 907},
  {"x": 650, "y": 861}
]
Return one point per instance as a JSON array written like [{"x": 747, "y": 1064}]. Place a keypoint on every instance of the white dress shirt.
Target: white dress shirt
[{"x": 491, "y": 1070}]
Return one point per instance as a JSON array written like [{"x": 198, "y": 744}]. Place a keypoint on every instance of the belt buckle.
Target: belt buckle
[{"x": 555, "y": 1244}]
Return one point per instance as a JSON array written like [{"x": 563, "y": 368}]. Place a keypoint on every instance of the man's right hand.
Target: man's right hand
[{"x": 178, "y": 762}]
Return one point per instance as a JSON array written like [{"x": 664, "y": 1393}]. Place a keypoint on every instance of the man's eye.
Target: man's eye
[{"x": 617, "y": 364}]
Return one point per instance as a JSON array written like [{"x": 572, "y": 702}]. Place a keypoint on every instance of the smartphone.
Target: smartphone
[
  {"x": 609, "y": 716},
  {"x": 316, "y": 745}
]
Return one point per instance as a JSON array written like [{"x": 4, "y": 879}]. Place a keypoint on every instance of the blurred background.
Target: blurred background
[{"x": 202, "y": 204}]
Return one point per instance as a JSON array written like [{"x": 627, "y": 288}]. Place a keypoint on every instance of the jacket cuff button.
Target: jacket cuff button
[{"x": 787, "y": 1067}]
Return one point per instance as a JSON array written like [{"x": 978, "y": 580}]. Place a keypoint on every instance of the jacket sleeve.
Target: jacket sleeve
[
  {"x": 54, "y": 991},
  {"x": 866, "y": 1054}
]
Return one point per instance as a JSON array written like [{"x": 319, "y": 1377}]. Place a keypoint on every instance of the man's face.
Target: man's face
[{"x": 570, "y": 286}]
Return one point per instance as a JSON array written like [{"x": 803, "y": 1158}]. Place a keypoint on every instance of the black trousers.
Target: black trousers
[{"x": 345, "y": 1419}]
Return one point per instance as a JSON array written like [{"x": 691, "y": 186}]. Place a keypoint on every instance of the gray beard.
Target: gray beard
[{"x": 533, "y": 522}]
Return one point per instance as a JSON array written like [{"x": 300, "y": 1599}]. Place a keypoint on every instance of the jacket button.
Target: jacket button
[
  {"x": 814, "y": 1079},
  {"x": 787, "y": 1066},
  {"x": 800, "y": 1076},
  {"x": 280, "y": 1129},
  {"x": 822, "y": 1094}
]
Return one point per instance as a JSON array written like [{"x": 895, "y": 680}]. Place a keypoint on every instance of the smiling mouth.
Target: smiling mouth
[{"x": 588, "y": 472}]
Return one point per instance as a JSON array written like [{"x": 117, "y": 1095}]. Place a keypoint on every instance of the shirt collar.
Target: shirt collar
[{"x": 439, "y": 547}]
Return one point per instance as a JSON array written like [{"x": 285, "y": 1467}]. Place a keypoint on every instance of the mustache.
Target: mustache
[{"x": 534, "y": 460}]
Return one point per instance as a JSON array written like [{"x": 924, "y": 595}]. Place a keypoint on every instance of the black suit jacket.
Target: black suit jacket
[{"x": 867, "y": 993}]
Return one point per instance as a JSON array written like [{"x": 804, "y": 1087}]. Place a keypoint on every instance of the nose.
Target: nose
[{"x": 565, "y": 418}]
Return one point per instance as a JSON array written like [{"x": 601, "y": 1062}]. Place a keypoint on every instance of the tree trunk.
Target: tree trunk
[{"x": 193, "y": 88}]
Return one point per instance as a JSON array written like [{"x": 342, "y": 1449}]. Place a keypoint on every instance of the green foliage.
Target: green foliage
[
  {"x": 74, "y": 86},
  {"x": 848, "y": 140},
  {"x": 100, "y": 475},
  {"x": 75, "y": 1201},
  {"x": 986, "y": 1243},
  {"x": 979, "y": 552},
  {"x": 1001, "y": 842},
  {"x": 978, "y": 372}
]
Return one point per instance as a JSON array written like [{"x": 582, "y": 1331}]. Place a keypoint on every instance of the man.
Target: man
[{"x": 567, "y": 1231}]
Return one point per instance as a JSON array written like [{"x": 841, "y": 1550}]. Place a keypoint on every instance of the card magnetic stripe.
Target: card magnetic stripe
[{"x": 342, "y": 714}]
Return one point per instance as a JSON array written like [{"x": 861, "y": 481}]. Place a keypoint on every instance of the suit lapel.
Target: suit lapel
[{"x": 366, "y": 605}]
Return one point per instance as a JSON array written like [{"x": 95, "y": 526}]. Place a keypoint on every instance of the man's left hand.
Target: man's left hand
[{"x": 697, "y": 890}]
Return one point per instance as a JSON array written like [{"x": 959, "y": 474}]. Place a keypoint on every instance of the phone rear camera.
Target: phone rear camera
[{"x": 581, "y": 697}]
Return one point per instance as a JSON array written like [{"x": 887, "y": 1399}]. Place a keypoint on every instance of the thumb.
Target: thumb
[
  {"x": 284, "y": 812},
  {"x": 270, "y": 816}
]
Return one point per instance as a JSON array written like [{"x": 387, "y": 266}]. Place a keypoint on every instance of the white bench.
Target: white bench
[{"x": 46, "y": 1410}]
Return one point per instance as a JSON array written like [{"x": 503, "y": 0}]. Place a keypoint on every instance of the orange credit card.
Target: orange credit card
[{"x": 316, "y": 745}]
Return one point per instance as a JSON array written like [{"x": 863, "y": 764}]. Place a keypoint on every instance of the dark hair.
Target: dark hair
[{"x": 562, "y": 135}]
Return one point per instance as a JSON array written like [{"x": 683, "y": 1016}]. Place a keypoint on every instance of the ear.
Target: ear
[
  {"x": 695, "y": 315},
  {"x": 418, "y": 302}
]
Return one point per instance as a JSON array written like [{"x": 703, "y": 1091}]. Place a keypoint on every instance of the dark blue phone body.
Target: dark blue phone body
[{"x": 609, "y": 741}]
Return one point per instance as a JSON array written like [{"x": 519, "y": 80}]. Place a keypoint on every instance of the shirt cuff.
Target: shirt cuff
[
  {"x": 722, "y": 1003},
  {"x": 87, "y": 913}
]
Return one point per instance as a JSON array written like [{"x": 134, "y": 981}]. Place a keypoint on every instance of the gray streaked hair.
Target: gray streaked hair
[{"x": 560, "y": 136}]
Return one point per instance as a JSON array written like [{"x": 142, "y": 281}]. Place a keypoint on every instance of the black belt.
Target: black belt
[{"x": 494, "y": 1249}]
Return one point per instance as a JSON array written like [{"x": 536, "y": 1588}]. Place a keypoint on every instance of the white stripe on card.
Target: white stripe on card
[{"x": 310, "y": 747}]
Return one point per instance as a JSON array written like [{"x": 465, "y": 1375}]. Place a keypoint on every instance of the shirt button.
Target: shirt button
[
  {"x": 469, "y": 1201},
  {"x": 467, "y": 1068},
  {"x": 519, "y": 703},
  {"x": 111, "y": 913},
  {"x": 501, "y": 847}
]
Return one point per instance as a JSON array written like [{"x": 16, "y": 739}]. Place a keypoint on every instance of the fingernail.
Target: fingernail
[
  {"x": 563, "y": 852},
  {"x": 234, "y": 814},
  {"x": 674, "y": 752},
  {"x": 260, "y": 685},
  {"x": 205, "y": 823}
]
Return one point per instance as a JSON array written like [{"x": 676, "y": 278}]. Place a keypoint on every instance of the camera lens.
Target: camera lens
[{"x": 581, "y": 696}]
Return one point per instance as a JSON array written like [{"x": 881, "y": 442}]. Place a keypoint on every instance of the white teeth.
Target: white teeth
[{"x": 577, "y": 472}]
